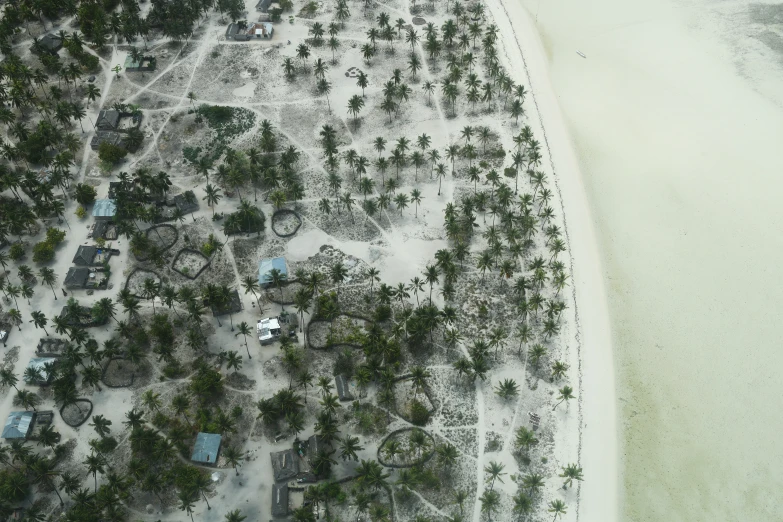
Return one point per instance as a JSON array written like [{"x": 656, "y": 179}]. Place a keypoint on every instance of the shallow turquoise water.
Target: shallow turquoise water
[{"x": 676, "y": 115}]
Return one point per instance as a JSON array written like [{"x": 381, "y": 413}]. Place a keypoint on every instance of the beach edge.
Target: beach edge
[{"x": 598, "y": 495}]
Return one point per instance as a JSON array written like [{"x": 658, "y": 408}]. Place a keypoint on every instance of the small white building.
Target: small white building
[{"x": 268, "y": 330}]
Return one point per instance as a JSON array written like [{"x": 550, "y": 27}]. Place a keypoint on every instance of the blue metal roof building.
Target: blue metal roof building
[
  {"x": 206, "y": 448},
  {"x": 265, "y": 266},
  {"x": 18, "y": 425},
  {"x": 104, "y": 209}
]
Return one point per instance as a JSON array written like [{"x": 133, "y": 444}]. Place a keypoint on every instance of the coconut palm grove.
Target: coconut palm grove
[{"x": 291, "y": 261}]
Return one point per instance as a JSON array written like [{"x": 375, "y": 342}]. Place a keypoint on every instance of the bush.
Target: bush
[
  {"x": 55, "y": 236},
  {"x": 81, "y": 212},
  {"x": 419, "y": 413},
  {"x": 43, "y": 252},
  {"x": 85, "y": 194},
  {"x": 16, "y": 252},
  {"x": 111, "y": 153}
]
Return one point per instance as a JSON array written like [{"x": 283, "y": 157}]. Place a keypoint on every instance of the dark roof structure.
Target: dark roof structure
[
  {"x": 49, "y": 43},
  {"x": 206, "y": 448},
  {"x": 76, "y": 277},
  {"x": 343, "y": 388},
  {"x": 285, "y": 464},
  {"x": 181, "y": 202},
  {"x": 232, "y": 307},
  {"x": 105, "y": 136},
  {"x": 18, "y": 425},
  {"x": 279, "y": 500},
  {"x": 316, "y": 445},
  {"x": 263, "y": 5},
  {"x": 108, "y": 119},
  {"x": 84, "y": 255}
]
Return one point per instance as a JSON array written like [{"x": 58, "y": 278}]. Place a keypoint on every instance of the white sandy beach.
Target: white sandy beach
[
  {"x": 598, "y": 432},
  {"x": 676, "y": 117}
]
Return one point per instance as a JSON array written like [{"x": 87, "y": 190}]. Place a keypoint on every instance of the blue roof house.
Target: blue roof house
[
  {"x": 104, "y": 209},
  {"x": 206, "y": 448},
  {"x": 18, "y": 425},
  {"x": 265, "y": 266}
]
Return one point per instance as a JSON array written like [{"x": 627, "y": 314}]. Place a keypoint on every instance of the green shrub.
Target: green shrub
[
  {"x": 111, "y": 153},
  {"x": 419, "y": 413},
  {"x": 85, "y": 194},
  {"x": 43, "y": 252},
  {"x": 16, "y": 252},
  {"x": 55, "y": 236}
]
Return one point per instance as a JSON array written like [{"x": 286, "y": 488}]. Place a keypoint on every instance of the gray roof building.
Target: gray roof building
[
  {"x": 41, "y": 364},
  {"x": 285, "y": 464},
  {"x": 49, "y": 43},
  {"x": 18, "y": 424},
  {"x": 182, "y": 203},
  {"x": 77, "y": 277},
  {"x": 105, "y": 136},
  {"x": 206, "y": 448},
  {"x": 104, "y": 209},
  {"x": 316, "y": 445},
  {"x": 279, "y": 500},
  {"x": 343, "y": 388},
  {"x": 84, "y": 255},
  {"x": 263, "y": 5},
  {"x": 108, "y": 119}
]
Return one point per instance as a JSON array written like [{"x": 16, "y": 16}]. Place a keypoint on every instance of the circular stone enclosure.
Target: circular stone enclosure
[
  {"x": 163, "y": 236},
  {"x": 76, "y": 414},
  {"x": 404, "y": 460},
  {"x": 190, "y": 263},
  {"x": 285, "y": 222},
  {"x": 135, "y": 281}
]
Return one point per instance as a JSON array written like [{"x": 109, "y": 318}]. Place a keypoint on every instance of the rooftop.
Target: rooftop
[
  {"x": 279, "y": 500},
  {"x": 84, "y": 255},
  {"x": 285, "y": 464},
  {"x": 76, "y": 277},
  {"x": 343, "y": 388},
  {"x": 18, "y": 424},
  {"x": 265, "y": 266},
  {"x": 104, "y": 208},
  {"x": 41, "y": 364},
  {"x": 108, "y": 119},
  {"x": 206, "y": 448}
]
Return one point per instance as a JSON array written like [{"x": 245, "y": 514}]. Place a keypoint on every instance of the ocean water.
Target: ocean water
[{"x": 676, "y": 114}]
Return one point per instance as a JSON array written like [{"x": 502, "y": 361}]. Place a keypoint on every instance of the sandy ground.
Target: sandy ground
[
  {"x": 676, "y": 117},
  {"x": 597, "y": 424}
]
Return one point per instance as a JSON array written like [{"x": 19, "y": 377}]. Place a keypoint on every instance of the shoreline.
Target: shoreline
[{"x": 598, "y": 495}]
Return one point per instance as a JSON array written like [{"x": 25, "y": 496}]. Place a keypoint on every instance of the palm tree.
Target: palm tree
[
  {"x": 490, "y": 501},
  {"x": 95, "y": 464},
  {"x": 200, "y": 484},
  {"x": 244, "y": 330},
  {"x": 507, "y": 389},
  {"x": 27, "y": 399},
  {"x": 495, "y": 471},
  {"x": 558, "y": 370},
  {"x": 277, "y": 278},
  {"x": 566, "y": 394},
  {"x": 571, "y": 472},
  {"x": 39, "y": 320},
  {"x": 186, "y": 502},
  {"x": 15, "y": 316},
  {"x": 302, "y": 301},
  {"x": 213, "y": 195},
  {"x": 355, "y": 105},
  {"x": 338, "y": 273},
  {"x": 250, "y": 284},
  {"x": 416, "y": 198},
  {"x": 101, "y": 425},
  {"x": 235, "y": 516},
  {"x": 523, "y": 504},
  {"x": 348, "y": 447},
  {"x": 234, "y": 458},
  {"x": 557, "y": 507},
  {"x": 525, "y": 439},
  {"x": 151, "y": 400}
]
